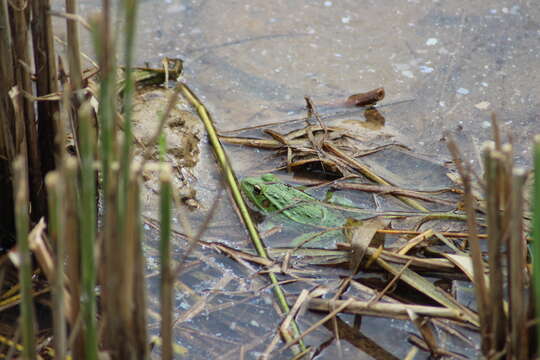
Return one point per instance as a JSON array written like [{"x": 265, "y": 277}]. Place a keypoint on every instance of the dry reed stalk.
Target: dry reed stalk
[
  {"x": 132, "y": 319},
  {"x": 74, "y": 63},
  {"x": 139, "y": 327},
  {"x": 73, "y": 46},
  {"x": 366, "y": 171},
  {"x": 517, "y": 252},
  {"x": 493, "y": 172},
  {"x": 22, "y": 64},
  {"x": 7, "y": 147},
  {"x": 481, "y": 290},
  {"x": 46, "y": 81},
  {"x": 397, "y": 311}
]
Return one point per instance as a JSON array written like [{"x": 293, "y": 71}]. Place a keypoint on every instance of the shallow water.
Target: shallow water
[
  {"x": 252, "y": 62},
  {"x": 459, "y": 61}
]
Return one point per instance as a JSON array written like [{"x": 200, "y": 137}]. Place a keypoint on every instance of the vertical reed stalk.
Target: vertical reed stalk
[
  {"x": 7, "y": 146},
  {"x": 73, "y": 252},
  {"x": 112, "y": 258},
  {"x": 87, "y": 219},
  {"x": 166, "y": 280},
  {"x": 517, "y": 265},
  {"x": 55, "y": 191},
  {"x": 25, "y": 267},
  {"x": 493, "y": 173},
  {"x": 73, "y": 47},
  {"x": 135, "y": 278},
  {"x": 107, "y": 95},
  {"x": 22, "y": 63},
  {"x": 6, "y": 74},
  {"x": 536, "y": 237},
  {"x": 481, "y": 290},
  {"x": 46, "y": 81},
  {"x": 130, "y": 9}
]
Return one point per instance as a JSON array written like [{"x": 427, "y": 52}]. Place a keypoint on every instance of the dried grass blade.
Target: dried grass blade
[
  {"x": 361, "y": 236},
  {"x": 480, "y": 287},
  {"x": 391, "y": 310},
  {"x": 425, "y": 287},
  {"x": 426, "y": 330},
  {"x": 332, "y": 312},
  {"x": 415, "y": 241},
  {"x": 366, "y": 171}
]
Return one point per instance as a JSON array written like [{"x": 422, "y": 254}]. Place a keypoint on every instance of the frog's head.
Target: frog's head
[{"x": 253, "y": 188}]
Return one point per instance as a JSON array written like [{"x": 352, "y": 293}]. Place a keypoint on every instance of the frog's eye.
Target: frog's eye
[{"x": 257, "y": 190}]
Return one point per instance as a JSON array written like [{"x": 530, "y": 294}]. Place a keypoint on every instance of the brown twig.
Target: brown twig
[{"x": 367, "y": 98}]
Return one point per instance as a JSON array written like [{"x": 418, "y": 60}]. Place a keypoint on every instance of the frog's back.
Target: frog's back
[{"x": 301, "y": 207}]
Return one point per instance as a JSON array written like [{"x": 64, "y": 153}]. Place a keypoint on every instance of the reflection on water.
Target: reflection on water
[{"x": 374, "y": 120}]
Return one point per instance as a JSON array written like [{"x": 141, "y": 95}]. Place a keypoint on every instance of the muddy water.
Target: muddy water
[{"x": 448, "y": 65}]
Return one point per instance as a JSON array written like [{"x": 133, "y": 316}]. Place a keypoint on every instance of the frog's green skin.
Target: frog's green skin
[{"x": 271, "y": 195}]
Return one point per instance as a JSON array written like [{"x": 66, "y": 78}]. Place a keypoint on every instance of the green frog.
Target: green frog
[{"x": 270, "y": 195}]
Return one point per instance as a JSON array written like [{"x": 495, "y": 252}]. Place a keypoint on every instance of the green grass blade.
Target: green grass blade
[
  {"x": 130, "y": 15},
  {"x": 87, "y": 213},
  {"x": 165, "y": 251}
]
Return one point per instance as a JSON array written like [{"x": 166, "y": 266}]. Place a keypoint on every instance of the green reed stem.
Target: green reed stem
[
  {"x": 238, "y": 199},
  {"x": 87, "y": 213},
  {"x": 106, "y": 116},
  {"x": 25, "y": 267},
  {"x": 55, "y": 189},
  {"x": 130, "y": 12},
  {"x": 165, "y": 250}
]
